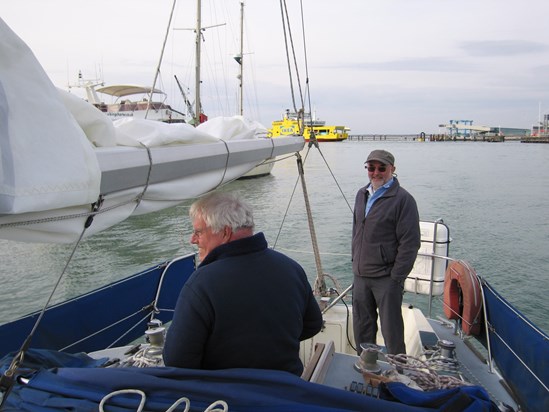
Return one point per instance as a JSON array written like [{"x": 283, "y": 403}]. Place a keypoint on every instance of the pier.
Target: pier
[
  {"x": 422, "y": 137},
  {"x": 381, "y": 137},
  {"x": 534, "y": 139},
  {"x": 465, "y": 131}
]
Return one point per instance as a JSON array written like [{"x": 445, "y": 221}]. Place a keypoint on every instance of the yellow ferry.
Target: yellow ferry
[{"x": 291, "y": 124}]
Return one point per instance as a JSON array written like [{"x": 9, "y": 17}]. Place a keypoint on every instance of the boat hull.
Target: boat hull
[{"x": 118, "y": 312}]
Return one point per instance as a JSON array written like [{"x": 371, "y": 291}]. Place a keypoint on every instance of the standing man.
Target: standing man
[
  {"x": 245, "y": 306},
  {"x": 386, "y": 239}
]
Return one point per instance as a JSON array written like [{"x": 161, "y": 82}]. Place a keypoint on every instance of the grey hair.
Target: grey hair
[{"x": 220, "y": 209}]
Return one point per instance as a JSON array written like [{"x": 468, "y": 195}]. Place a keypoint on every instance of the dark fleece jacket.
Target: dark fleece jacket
[
  {"x": 385, "y": 242},
  {"x": 246, "y": 306}
]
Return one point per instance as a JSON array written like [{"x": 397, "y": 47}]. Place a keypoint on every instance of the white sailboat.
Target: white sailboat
[
  {"x": 199, "y": 118},
  {"x": 264, "y": 168}
]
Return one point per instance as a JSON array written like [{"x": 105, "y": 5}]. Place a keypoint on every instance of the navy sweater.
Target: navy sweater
[{"x": 246, "y": 306}]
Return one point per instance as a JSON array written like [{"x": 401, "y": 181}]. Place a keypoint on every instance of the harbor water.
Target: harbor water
[{"x": 493, "y": 196}]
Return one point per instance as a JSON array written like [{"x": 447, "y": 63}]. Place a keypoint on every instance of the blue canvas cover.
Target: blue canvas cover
[
  {"x": 463, "y": 399},
  {"x": 81, "y": 387},
  {"x": 512, "y": 333}
]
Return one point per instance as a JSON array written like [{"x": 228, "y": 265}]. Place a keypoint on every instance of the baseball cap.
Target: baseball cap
[{"x": 382, "y": 156}]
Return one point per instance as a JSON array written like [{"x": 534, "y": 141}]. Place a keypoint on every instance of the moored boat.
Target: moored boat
[
  {"x": 265, "y": 168},
  {"x": 310, "y": 126},
  {"x": 134, "y": 101}
]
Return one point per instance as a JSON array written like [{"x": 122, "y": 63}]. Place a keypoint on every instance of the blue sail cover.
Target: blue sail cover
[
  {"x": 511, "y": 333},
  {"x": 82, "y": 385}
]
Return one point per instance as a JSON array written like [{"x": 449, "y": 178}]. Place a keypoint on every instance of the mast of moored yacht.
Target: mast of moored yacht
[
  {"x": 198, "y": 52},
  {"x": 241, "y": 78},
  {"x": 197, "y": 107}
]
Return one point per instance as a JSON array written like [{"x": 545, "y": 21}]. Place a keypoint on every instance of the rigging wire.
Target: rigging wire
[
  {"x": 307, "y": 83},
  {"x": 7, "y": 379},
  {"x": 320, "y": 285},
  {"x": 157, "y": 71},
  {"x": 288, "y": 40},
  {"x": 335, "y": 179}
]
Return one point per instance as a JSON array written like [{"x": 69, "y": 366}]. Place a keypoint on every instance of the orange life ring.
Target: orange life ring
[{"x": 462, "y": 281}]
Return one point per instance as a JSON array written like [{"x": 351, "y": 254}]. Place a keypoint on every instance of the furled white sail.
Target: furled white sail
[
  {"x": 63, "y": 160},
  {"x": 47, "y": 160}
]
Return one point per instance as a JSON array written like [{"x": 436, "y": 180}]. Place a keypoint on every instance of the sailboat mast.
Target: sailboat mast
[
  {"x": 197, "y": 104},
  {"x": 241, "y": 58}
]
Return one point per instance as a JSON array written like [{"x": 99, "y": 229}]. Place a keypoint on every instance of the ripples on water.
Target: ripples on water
[{"x": 493, "y": 196}]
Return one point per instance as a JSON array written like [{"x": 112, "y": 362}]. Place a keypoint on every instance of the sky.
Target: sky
[{"x": 375, "y": 66}]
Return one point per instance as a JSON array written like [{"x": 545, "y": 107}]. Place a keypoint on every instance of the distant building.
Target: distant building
[
  {"x": 466, "y": 128},
  {"x": 511, "y": 131},
  {"x": 541, "y": 129}
]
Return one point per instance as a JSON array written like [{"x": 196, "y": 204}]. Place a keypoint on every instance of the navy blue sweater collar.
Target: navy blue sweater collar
[{"x": 250, "y": 244}]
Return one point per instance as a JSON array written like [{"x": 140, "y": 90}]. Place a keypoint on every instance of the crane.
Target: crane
[{"x": 190, "y": 108}]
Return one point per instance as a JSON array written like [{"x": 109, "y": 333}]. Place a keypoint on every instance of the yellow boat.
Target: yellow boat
[{"x": 291, "y": 125}]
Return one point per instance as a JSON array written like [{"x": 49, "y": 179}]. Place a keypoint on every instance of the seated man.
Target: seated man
[{"x": 245, "y": 306}]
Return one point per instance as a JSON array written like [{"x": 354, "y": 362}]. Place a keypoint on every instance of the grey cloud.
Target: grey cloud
[
  {"x": 493, "y": 48},
  {"x": 430, "y": 64}
]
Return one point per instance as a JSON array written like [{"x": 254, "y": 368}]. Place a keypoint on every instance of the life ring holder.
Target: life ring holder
[{"x": 463, "y": 296}]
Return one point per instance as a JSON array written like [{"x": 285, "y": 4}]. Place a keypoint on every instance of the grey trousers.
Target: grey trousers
[{"x": 385, "y": 294}]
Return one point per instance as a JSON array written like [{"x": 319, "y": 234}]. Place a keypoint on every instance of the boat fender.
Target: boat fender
[{"x": 463, "y": 296}]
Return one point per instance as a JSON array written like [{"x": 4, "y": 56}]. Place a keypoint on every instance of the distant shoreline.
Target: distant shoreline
[{"x": 433, "y": 138}]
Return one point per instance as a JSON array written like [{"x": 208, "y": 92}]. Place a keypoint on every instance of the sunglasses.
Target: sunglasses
[{"x": 372, "y": 169}]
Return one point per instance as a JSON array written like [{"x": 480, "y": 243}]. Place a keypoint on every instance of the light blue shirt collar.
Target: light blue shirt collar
[
  {"x": 386, "y": 186},
  {"x": 374, "y": 195}
]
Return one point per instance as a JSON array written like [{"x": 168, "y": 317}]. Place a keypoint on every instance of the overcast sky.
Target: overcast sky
[{"x": 376, "y": 66}]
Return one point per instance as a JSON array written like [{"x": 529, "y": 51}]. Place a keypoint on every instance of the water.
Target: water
[{"x": 493, "y": 196}]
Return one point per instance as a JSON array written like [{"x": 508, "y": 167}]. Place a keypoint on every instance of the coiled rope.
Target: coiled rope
[
  {"x": 216, "y": 406},
  {"x": 147, "y": 357},
  {"x": 423, "y": 373}
]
